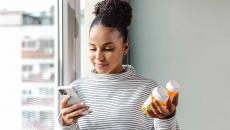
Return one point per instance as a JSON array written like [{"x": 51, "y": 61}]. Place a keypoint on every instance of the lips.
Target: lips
[{"x": 100, "y": 65}]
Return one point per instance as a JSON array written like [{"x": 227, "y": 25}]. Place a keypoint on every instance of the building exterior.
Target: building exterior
[
  {"x": 36, "y": 33},
  {"x": 21, "y": 18}
]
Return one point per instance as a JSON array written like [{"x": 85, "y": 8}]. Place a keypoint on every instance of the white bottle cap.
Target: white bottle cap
[
  {"x": 160, "y": 93},
  {"x": 173, "y": 86}
]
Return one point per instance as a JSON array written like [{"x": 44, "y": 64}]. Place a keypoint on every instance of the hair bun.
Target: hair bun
[{"x": 117, "y": 10}]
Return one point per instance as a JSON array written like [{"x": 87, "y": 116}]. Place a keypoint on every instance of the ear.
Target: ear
[{"x": 126, "y": 47}]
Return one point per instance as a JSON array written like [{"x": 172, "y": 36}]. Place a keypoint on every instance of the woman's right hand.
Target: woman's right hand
[{"x": 71, "y": 113}]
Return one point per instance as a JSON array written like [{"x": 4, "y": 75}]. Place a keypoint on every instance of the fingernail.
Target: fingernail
[
  {"x": 90, "y": 110},
  {"x": 85, "y": 112}
]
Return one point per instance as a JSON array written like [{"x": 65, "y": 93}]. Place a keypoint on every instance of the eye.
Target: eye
[
  {"x": 92, "y": 49},
  {"x": 108, "y": 49}
]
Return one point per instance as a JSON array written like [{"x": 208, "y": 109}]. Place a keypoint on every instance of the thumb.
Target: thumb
[{"x": 64, "y": 101}]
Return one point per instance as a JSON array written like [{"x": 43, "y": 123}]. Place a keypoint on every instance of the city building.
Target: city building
[{"x": 35, "y": 33}]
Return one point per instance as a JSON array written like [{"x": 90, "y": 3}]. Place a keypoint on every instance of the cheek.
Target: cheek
[
  {"x": 91, "y": 56},
  {"x": 115, "y": 57}
]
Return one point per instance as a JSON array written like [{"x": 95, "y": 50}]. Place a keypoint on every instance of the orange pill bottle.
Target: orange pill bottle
[
  {"x": 173, "y": 88},
  {"x": 158, "y": 93}
]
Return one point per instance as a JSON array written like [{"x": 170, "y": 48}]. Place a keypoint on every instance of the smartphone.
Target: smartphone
[{"x": 69, "y": 90}]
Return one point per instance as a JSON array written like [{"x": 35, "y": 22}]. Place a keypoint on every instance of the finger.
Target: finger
[
  {"x": 151, "y": 114},
  {"x": 77, "y": 113},
  {"x": 157, "y": 106},
  {"x": 175, "y": 99},
  {"x": 161, "y": 109},
  {"x": 75, "y": 119},
  {"x": 64, "y": 101},
  {"x": 73, "y": 108},
  {"x": 87, "y": 112},
  {"x": 170, "y": 107},
  {"x": 72, "y": 121},
  {"x": 155, "y": 110}
]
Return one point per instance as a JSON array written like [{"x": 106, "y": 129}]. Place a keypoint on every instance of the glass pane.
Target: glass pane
[{"x": 28, "y": 46}]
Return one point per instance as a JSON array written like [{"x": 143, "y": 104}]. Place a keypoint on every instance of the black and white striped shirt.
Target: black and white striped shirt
[{"x": 116, "y": 101}]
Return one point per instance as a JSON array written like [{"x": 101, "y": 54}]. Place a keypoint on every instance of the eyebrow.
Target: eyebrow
[{"x": 104, "y": 44}]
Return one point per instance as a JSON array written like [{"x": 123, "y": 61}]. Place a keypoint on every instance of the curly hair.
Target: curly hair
[{"x": 116, "y": 14}]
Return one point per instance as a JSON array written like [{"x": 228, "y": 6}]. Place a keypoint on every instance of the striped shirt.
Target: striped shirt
[{"x": 116, "y": 101}]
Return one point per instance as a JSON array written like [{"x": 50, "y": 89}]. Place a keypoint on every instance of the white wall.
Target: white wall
[
  {"x": 187, "y": 40},
  {"x": 86, "y": 65},
  {"x": 71, "y": 41},
  {"x": 89, "y": 16}
]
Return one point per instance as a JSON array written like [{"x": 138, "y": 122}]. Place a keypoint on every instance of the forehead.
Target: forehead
[{"x": 100, "y": 34}]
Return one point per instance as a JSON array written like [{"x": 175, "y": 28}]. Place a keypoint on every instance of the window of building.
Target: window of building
[{"x": 29, "y": 31}]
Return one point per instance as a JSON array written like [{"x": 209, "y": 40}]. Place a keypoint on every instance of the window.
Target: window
[
  {"x": 32, "y": 45},
  {"x": 29, "y": 31}
]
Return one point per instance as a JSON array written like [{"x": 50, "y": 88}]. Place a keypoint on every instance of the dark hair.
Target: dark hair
[{"x": 116, "y": 14}]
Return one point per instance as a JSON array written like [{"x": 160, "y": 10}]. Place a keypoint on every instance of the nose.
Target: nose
[{"x": 99, "y": 55}]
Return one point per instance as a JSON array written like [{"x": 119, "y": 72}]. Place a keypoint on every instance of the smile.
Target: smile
[{"x": 100, "y": 65}]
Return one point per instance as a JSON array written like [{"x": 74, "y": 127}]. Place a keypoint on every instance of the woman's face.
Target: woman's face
[{"x": 106, "y": 49}]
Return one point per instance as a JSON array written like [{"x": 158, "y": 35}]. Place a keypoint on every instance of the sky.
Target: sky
[
  {"x": 26, "y": 5},
  {"x": 30, "y": 5}
]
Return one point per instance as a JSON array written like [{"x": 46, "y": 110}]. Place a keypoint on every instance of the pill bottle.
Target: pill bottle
[
  {"x": 173, "y": 88},
  {"x": 158, "y": 93}
]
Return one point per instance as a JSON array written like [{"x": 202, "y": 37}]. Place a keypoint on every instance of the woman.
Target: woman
[{"x": 114, "y": 92}]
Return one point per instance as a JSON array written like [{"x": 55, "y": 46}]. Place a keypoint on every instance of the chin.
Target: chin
[{"x": 102, "y": 71}]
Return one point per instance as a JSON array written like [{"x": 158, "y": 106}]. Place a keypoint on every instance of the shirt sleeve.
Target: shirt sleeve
[
  {"x": 166, "y": 124},
  {"x": 74, "y": 126}
]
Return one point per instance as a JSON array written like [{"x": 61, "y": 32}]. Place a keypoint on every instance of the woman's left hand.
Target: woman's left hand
[{"x": 163, "y": 112}]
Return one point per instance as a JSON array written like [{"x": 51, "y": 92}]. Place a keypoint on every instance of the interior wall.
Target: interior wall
[{"x": 187, "y": 40}]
